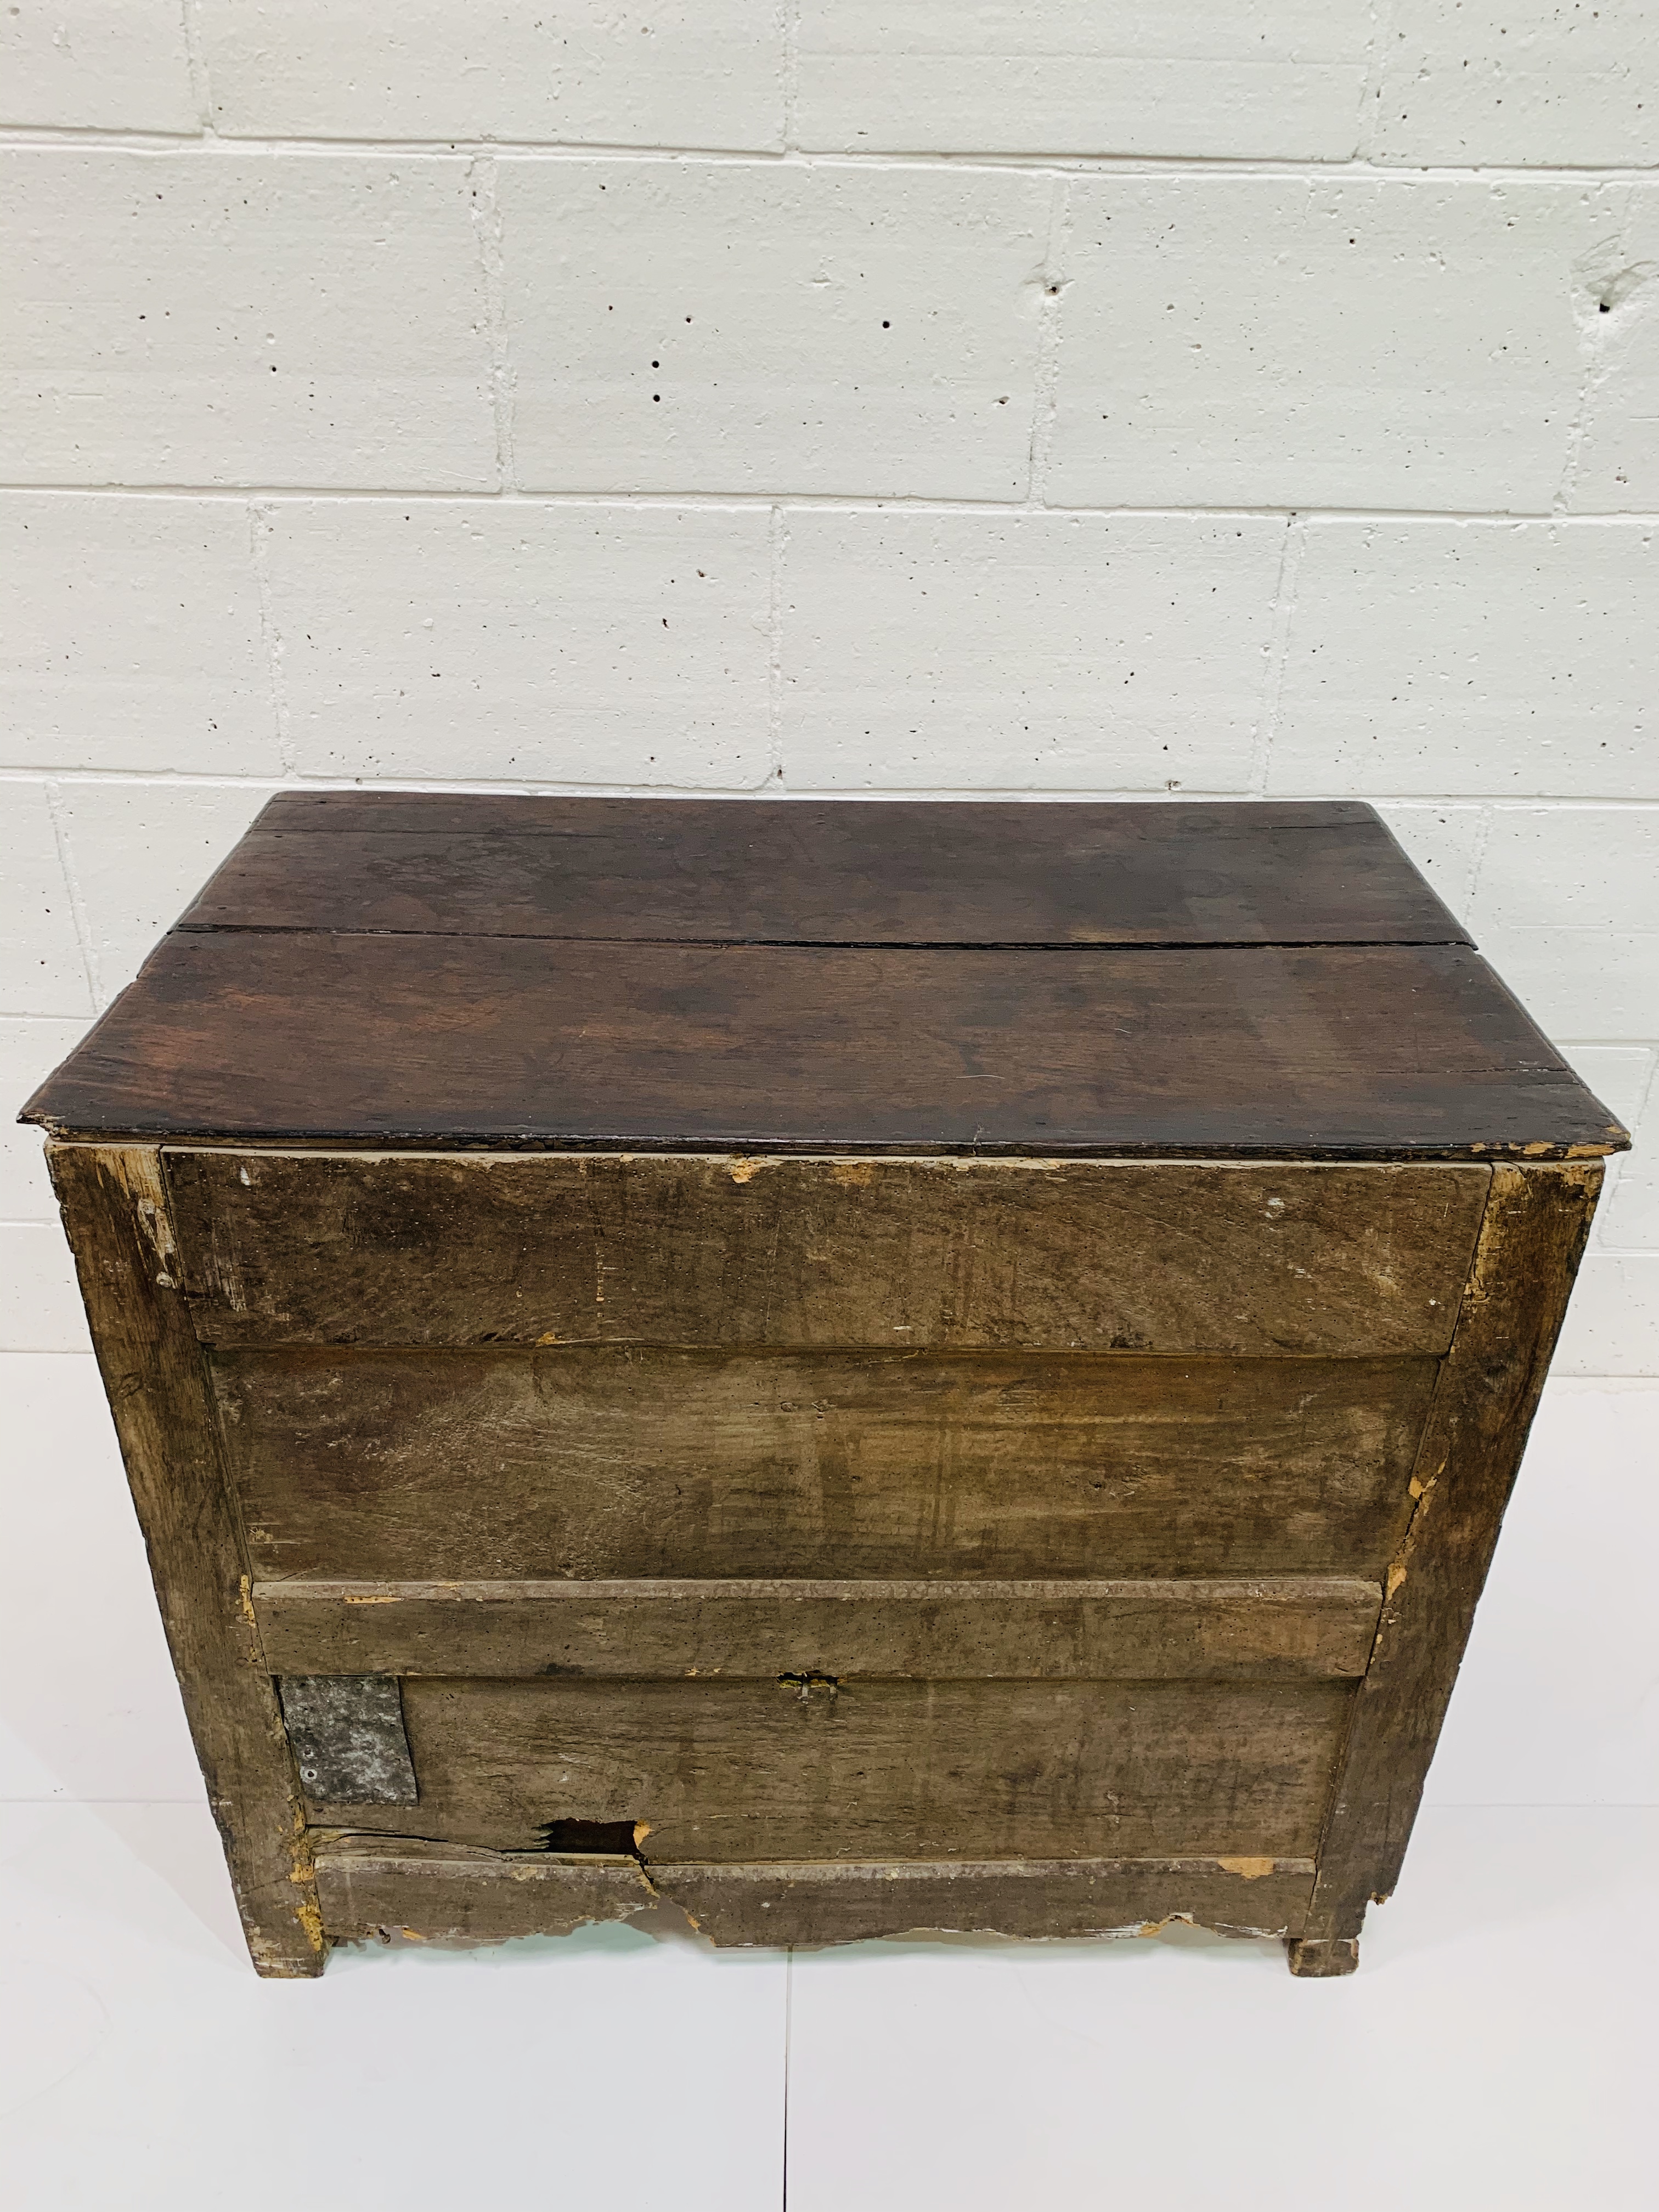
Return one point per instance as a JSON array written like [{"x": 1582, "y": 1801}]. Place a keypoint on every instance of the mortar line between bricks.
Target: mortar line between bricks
[
  {"x": 1375, "y": 77},
  {"x": 487, "y": 230},
  {"x": 1279, "y": 652},
  {"x": 1594, "y": 344},
  {"x": 217, "y": 144},
  {"x": 83, "y": 930},
  {"x": 1478, "y": 858},
  {"x": 1045, "y": 366},
  {"x": 777, "y": 540},
  {"x": 201, "y": 84},
  {"x": 258, "y": 531},
  {"x": 714, "y": 502},
  {"x": 789, "y": 23}
]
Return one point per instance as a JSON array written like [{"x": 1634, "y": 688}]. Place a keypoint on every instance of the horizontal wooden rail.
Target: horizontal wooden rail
[
  {"x": 1283, "y": 1626},
  {"x": 383, "y": 1887}
]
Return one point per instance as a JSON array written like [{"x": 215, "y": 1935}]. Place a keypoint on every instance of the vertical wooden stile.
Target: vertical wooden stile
[
  {"x": 1533, "y": 1233},
  {"x": 115, "y": 1211}
]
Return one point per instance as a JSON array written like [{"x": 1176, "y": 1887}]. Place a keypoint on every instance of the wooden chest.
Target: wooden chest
[{"x": 851, "y": 1367}]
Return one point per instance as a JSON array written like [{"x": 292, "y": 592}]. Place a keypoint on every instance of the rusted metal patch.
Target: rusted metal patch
[{"x": 348, "y": 1734}]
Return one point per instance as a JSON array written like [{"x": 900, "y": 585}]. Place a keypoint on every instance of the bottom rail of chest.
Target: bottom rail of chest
[{"x": 384, "y": 1889}]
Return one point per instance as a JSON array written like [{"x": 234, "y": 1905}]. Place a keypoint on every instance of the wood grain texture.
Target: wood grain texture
[
  {"x": 115, "y": 1211},
  {"x": 1081, "y": 1255},
  {"x": 475, "y": 1466},
  {"x": 1531, "y": 1240},
  {"x": 804, "y": 1905},
  {"x": 1324, "y": 1959},
  {"x": 374, "y": 1888},
  {"x": 1278, "y": 1627},
  {"x": 494, "y": 1041},
  {"x": 746, "y": 1770},
  {"x": 825, "y": 871}
]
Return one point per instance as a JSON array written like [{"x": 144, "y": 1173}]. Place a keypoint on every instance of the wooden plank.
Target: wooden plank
[
  {"x": 116, "y": 1214},
  {"x": 808, "y": 1904},
  {"x": 473, "y": 1466},
  {"x": 1531, "y": 1240},
  {"x": 379, "y": 1889},
  {"x": 1078, "y": 1255},
  {"x": 744, "y": 1770},
  {"x": 825, "y": 871},
  {"x": 498, "y": 1041},
  {"x": 1280, "y": 1627},
  {"x": 376, "y": 1890}
]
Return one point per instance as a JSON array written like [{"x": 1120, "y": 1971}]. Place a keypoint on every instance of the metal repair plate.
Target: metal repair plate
[{"x": 347, "y": 1731}]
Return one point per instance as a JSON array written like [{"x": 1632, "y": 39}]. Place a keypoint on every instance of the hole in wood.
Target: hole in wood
[
  {"x": 606, "y": 1839},
  {"x": 810, "y": 1684}
]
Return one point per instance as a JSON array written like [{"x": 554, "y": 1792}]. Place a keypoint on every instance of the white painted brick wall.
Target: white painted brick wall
[
  {"x": 702, "y": 396},
  {"x": 665, "y": 72},
  {"x": 1616, "y": 468},
  {"x": 1024, "y": 652},
  {"x": 520, "y": 641},
  {"x": 1293, "y": 341},
  {"x": 1234, "y": 80},
  {"x": 1569, "y": 82},
  {"x": 730, "y": 327},
  {"x": 242, "y": 319},
  {"x": 96, "y": 65},
  {"x": 1513, "y": 658},
  {"x": 134, "y": 634}
]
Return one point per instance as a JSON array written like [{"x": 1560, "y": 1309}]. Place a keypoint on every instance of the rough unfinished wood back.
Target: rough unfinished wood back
[
  {"x": 874, "y": 1770},
  {"x": 1269, "y": 1258},
  {"x": 627, "y": 1462}
]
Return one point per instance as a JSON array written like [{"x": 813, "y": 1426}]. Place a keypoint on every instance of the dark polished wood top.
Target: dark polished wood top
[
  {"x": 809, "y": 871},
  {"x": 406, "y": 968}
]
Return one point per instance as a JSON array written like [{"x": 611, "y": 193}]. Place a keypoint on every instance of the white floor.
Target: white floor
[{"x": 1496, "y": 2049}]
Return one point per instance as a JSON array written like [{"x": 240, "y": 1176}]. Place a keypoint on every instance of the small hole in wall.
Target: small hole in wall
[{"x": 1607, "y": 306}]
